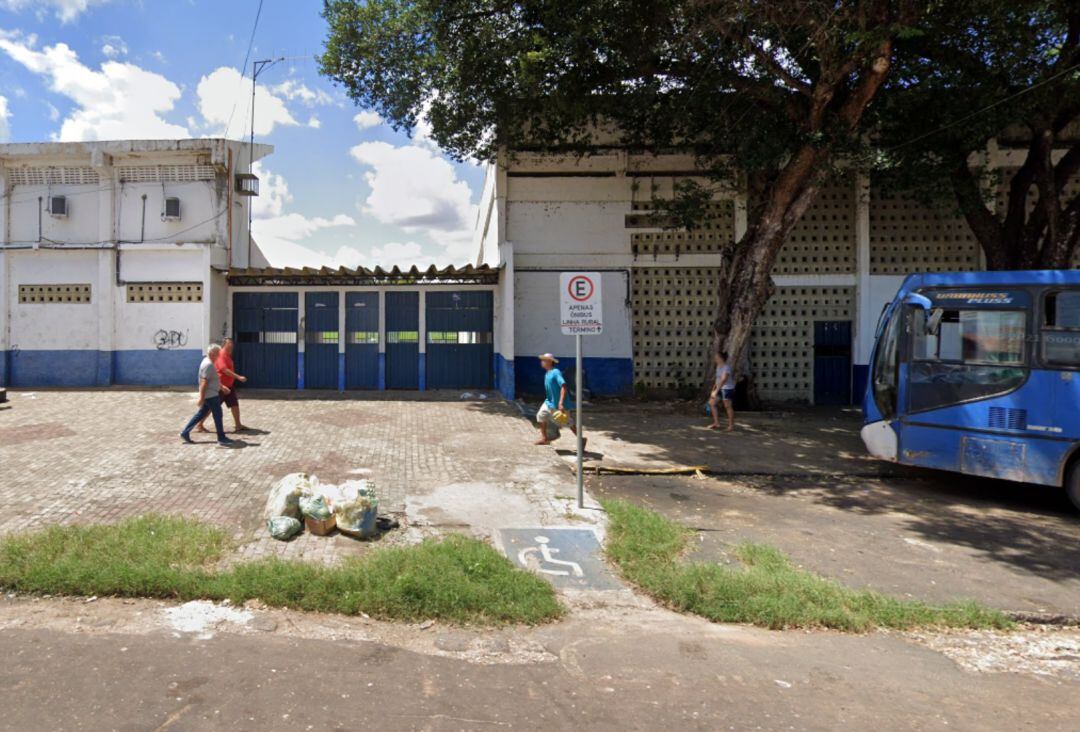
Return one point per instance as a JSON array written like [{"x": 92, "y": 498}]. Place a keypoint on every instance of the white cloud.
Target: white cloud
[
  {"x": 54, "y": 113},
  {"x": 282, "y": 252},
  {"x": 113, "y": 47},
  {"x": 400, "y": 254},
  {"x": 273, "y": 193},
  {"x": 414, "y": 188},
  {"x": 279, "y": 234},
  {"x": 118, "y": 101},
  {"x": 292, "y": 90},
  {"x": 5, "y": 120},
  {"x": 65, "y": 10},
  {"x": 313, "y": 122},
  {"x": 224, "y": 94},
  {"x": 367, "y": 120}
]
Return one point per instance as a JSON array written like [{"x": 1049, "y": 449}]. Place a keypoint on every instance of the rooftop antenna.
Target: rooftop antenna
[{"x": 258, "y": 67}]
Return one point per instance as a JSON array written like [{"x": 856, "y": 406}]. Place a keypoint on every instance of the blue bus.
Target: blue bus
[{"x": 979, "y": 373}]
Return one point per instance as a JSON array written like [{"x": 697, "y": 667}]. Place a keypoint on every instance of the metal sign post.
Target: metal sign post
[
  {"x": 580, "y": 314},
  {"x": 580, "y": 427}
]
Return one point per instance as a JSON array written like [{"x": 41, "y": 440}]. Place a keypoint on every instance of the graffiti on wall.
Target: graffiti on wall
[{"x": 169, "y": 340}]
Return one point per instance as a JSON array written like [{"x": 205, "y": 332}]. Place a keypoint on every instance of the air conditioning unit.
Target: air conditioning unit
[
  {"x": 58, "y": 207},
  {"x": 172, "y": 209},
  {"x": 247, "y": 184}
]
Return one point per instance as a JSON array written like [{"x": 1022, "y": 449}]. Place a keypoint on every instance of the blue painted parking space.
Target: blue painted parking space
[{"x": 568, "y": 558}]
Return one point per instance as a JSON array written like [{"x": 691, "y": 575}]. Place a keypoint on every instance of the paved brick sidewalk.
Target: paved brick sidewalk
[{"x": 93, "y": 456}]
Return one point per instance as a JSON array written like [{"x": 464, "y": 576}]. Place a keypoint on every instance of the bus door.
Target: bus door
[{"x": 965, "y": 363}]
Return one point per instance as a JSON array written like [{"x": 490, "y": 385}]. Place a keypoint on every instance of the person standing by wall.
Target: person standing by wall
[
  {"x": 723, "y": 391},
  {"x": 229, "y": 377},
  {"x": 210, "y": 391}
]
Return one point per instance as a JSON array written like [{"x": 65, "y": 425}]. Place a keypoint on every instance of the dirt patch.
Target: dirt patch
[
  {"x": 1039, "y": 651},
  {"x": 34, "y": 433}
]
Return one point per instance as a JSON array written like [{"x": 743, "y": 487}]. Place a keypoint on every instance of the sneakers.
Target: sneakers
[
  {"x": 226, "y": 442},
  {"x": 184, "y": 436}
]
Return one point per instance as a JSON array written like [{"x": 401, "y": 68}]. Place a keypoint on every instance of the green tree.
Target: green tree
[
  {"x": 771, "y": 94},
  {"x": 986, "y": 74}
]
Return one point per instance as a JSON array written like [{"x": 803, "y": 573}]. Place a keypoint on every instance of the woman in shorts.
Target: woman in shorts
[{"x": 723, "y": 390}]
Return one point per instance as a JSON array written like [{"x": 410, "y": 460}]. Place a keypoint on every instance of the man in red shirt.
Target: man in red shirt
[{"x": 229, "y": 377}]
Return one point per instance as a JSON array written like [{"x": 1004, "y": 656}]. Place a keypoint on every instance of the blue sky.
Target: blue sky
[{"x": 341, "y": 186}]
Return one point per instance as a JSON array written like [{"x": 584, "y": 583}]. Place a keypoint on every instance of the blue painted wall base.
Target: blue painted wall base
[
  {"x": 504, "y": 376},
  {"x": 421, "y": 366},
  {"x": 382, "y": 371},
  {"x": 157, "y": 368},
  {"x": 25, "y": 368},
  {"x": 341, "y": 372},
  {"x": 603, "y": 376}
]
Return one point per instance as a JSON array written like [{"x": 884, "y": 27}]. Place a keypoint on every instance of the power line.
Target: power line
[
  {"x": 243, "y": 68},
  {"x": 987, "y": 108}
]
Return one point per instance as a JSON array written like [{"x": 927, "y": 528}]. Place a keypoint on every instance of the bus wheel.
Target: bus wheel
[{"x": 1072, "y": 483}]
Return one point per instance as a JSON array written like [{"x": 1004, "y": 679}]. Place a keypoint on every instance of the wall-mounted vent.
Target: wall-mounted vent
[
  {"x": 165, "y": 173},
  {"x": 53, "y": 294},
  {"x": 172, "y": 209},
  {"x": 58, "y": 206},
  {"x": 164, "y": 292},
  {"x": 57, "y": 176},
  {"x": 1005, "y": 418}
]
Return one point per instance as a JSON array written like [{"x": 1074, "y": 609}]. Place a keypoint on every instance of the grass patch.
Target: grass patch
[
  {"x": 767, "y": 590},
  {"x": 456, "y": 578}
]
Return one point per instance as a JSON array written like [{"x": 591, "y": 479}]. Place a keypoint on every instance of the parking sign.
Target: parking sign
[{"x": 579, "y": 297}]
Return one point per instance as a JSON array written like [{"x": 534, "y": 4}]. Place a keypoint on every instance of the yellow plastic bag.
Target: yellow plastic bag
[{"x": 561, "y": 418}]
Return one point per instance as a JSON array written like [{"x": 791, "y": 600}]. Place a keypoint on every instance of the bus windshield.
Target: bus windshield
[
  {"x": 964, "y": 350},
  {"x": 886, "y": 366}
]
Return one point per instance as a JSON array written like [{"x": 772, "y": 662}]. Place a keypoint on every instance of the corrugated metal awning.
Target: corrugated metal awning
[{"x": 343, "y": 276}]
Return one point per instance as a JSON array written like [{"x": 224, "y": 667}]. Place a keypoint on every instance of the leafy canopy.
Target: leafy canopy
[{"x": 743, "y": 80}]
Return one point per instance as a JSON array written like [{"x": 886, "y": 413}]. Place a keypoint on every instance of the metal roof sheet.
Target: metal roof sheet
[{"x": 311, "y": 276}]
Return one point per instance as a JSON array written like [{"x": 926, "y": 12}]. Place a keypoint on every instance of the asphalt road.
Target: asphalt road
[{"x": 618, "y": 669}]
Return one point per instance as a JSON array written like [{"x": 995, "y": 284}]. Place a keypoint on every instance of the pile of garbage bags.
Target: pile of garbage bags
[{"x": 299, "y": 499}]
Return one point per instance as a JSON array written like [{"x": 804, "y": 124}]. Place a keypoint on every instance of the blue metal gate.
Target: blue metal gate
[
  {"x": 321, "y": 340},
  {"x": 402, "y": 340},
  {"x": 459, "y": 340},
  {"x": 832, "y": 362},
  {"x": 265, "y": 326},
  {"x": 361, "y": 340}
]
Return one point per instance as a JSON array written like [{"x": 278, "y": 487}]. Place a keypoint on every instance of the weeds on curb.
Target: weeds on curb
[
  {"x": 457, "y": 579},
  {"x": 767, "y": 590}
]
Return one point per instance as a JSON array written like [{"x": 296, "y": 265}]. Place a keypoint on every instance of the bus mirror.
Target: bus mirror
[
  {"x": 933, "y": 323},
  {"x": 919, "y": 301}
]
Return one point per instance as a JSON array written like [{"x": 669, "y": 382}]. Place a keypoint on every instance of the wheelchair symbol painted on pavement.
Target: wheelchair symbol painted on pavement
[{"x": 527, "y": 557}]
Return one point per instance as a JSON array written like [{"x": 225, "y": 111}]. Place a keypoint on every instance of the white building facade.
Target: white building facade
[
  {"x": 114, "y": 257},
  {"x": 541, "y": 215}
]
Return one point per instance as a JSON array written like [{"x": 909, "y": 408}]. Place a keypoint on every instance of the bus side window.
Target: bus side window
[
  {"x": 974, "y": 354},
  {"x": 1060, "y": 334}
]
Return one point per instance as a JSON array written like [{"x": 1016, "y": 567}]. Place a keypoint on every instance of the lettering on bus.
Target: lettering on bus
[{"x": 977, "y": 298}]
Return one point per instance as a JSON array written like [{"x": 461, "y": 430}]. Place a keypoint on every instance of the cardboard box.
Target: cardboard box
[{"x": 320, "y": 528}]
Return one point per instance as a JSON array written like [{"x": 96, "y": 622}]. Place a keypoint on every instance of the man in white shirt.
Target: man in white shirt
[{"x": 210, "y": 393}]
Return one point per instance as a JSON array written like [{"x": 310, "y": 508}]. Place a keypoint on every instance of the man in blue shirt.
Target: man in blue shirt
[{"x": 556, "y": 399}]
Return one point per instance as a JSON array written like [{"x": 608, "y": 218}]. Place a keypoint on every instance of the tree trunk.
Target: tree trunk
[{"x": 746, "y": 282}]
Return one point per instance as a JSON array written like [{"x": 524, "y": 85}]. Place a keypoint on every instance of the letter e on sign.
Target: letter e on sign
[{"x": 580, "y": 312}]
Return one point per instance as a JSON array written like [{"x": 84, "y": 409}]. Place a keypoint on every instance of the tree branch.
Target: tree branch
[
  {"x": 983, "y": 223},
  {"x": 778, "y": 69}
]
